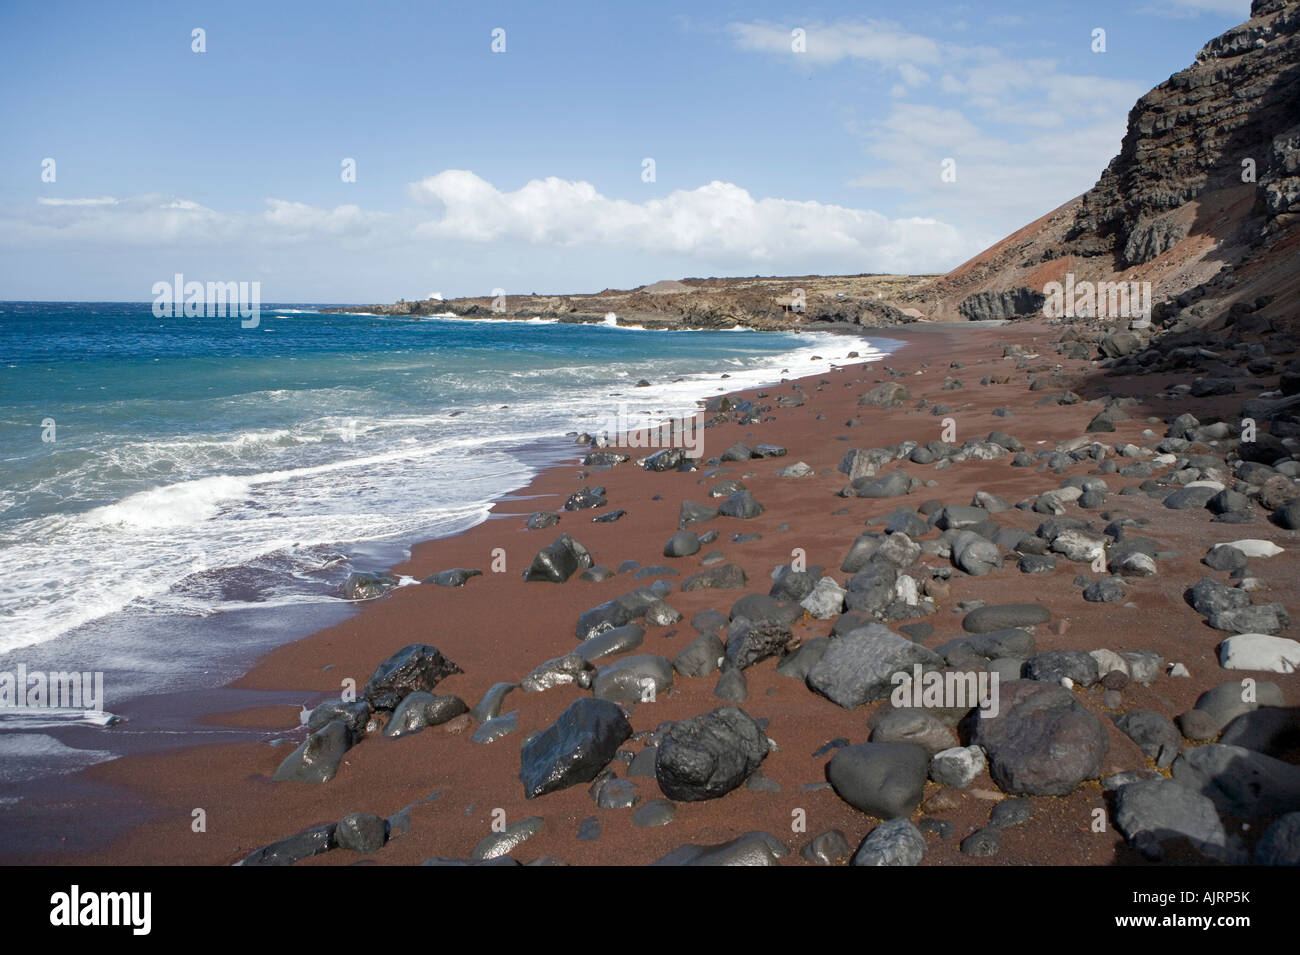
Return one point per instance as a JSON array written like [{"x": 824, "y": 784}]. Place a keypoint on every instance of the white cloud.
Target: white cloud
[
  {"x": 158, "y": 220},
  {"x": 878, "y": 41},
  {"x": 718, "y": 226},
  {"x": 719, "y": 221},
  {"x": 1025, "y": 135},
  {"x": 1193, "y": 8},
  {"x": 102, "y": 201},
  {"x": 1001, "y": 185}
]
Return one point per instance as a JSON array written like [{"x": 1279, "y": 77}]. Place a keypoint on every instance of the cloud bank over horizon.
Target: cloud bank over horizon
[{"x": 719, "y": 223}]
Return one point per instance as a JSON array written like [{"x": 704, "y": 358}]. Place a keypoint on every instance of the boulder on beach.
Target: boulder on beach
[
  {"x": 1043, "y": 742},
  {"x": 417, "y": 666},
  {"x": 708, "y": 756},
  {"x": 885, "y": 780},
  {"x": 455, "y": 577},
  {"x": 559, "y": 560},
  {"x": 317, "y": 759},
  {"x": 573, "y": 749},
  {"x": 750, "y": 849},
  {"x": 859, "y": 666},
  {"x": 1004, "y": 616}
]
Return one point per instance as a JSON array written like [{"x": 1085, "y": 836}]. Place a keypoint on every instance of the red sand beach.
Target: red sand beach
[{"x": 498, "y": 628}]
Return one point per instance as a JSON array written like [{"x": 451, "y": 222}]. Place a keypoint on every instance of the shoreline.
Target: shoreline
[
  {"x": 444, "y": 788},
  {"x": 261, "y": 717}
]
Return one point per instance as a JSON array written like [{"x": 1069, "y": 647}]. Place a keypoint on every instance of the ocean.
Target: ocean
[{"x": 180, "y": 495}]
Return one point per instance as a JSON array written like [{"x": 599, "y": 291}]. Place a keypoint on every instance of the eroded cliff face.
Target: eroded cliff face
[
  {"x": 1232, "y": 118},
  {"x": 1207, "y": 180}
]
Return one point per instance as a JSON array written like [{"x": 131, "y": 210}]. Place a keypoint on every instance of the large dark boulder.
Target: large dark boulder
[
  {"x": 708, "y": 756},
  {"x": 885, "y": 780},
  {"x": 559, "y": 560},
  {"x": 417, "y": 666},
  {"x": 1043, "y": 742},
  {"x": 573, "y": 749}
]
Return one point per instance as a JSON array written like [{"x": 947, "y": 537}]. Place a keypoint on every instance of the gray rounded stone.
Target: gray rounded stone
[{"x": 893, "y": 842}]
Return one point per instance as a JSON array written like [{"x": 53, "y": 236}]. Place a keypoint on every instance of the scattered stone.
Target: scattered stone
[
  {"x": 539, "y": 520},
  {"x": 1259, "y": 651},
  {"x": 1004, "y": 617},
  {"x": 958, "y": 766},
  {"x": 558, "y": 561},
  {"x": 753, "y": 848},
  {"x": 417, "y": 666},
  {"x": 893, "y": 842},
  {"x": 858, "y": 667},
  {"x": 1010, "y": 812},
  {"x": 1043, "y": 742},
  {"x": 573, "y": 749},
  {"x": 497, "y": 727},
  {"x": 361, "y": 832},
  {"x": 981, "y": 843},
  {"x": 317, "y": 758},
  {"x": 656, "y": 812},
  {"x": 885, "y": 780},
  {"x": 1154, "y": 734},
  {"x": 499, "y": 844},
  {"x": 829, "y": 848},
  {"x": 707, "y": 756},
  {"x": 1280, "y": 844},
  {"x": 1154, "y": 811}
]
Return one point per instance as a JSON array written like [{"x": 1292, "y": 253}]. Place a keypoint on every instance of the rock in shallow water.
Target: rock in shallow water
[{"x": 367, "y": 586}]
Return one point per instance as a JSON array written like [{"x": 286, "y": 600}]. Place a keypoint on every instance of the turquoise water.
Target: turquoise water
[{"x": 189, "y": 467}]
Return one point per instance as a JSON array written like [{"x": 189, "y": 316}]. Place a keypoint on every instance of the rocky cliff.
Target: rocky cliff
[{"x": 1207, "y": 182}]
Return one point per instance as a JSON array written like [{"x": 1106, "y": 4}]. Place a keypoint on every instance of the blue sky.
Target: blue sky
[{"x": 523, "y": 169}]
